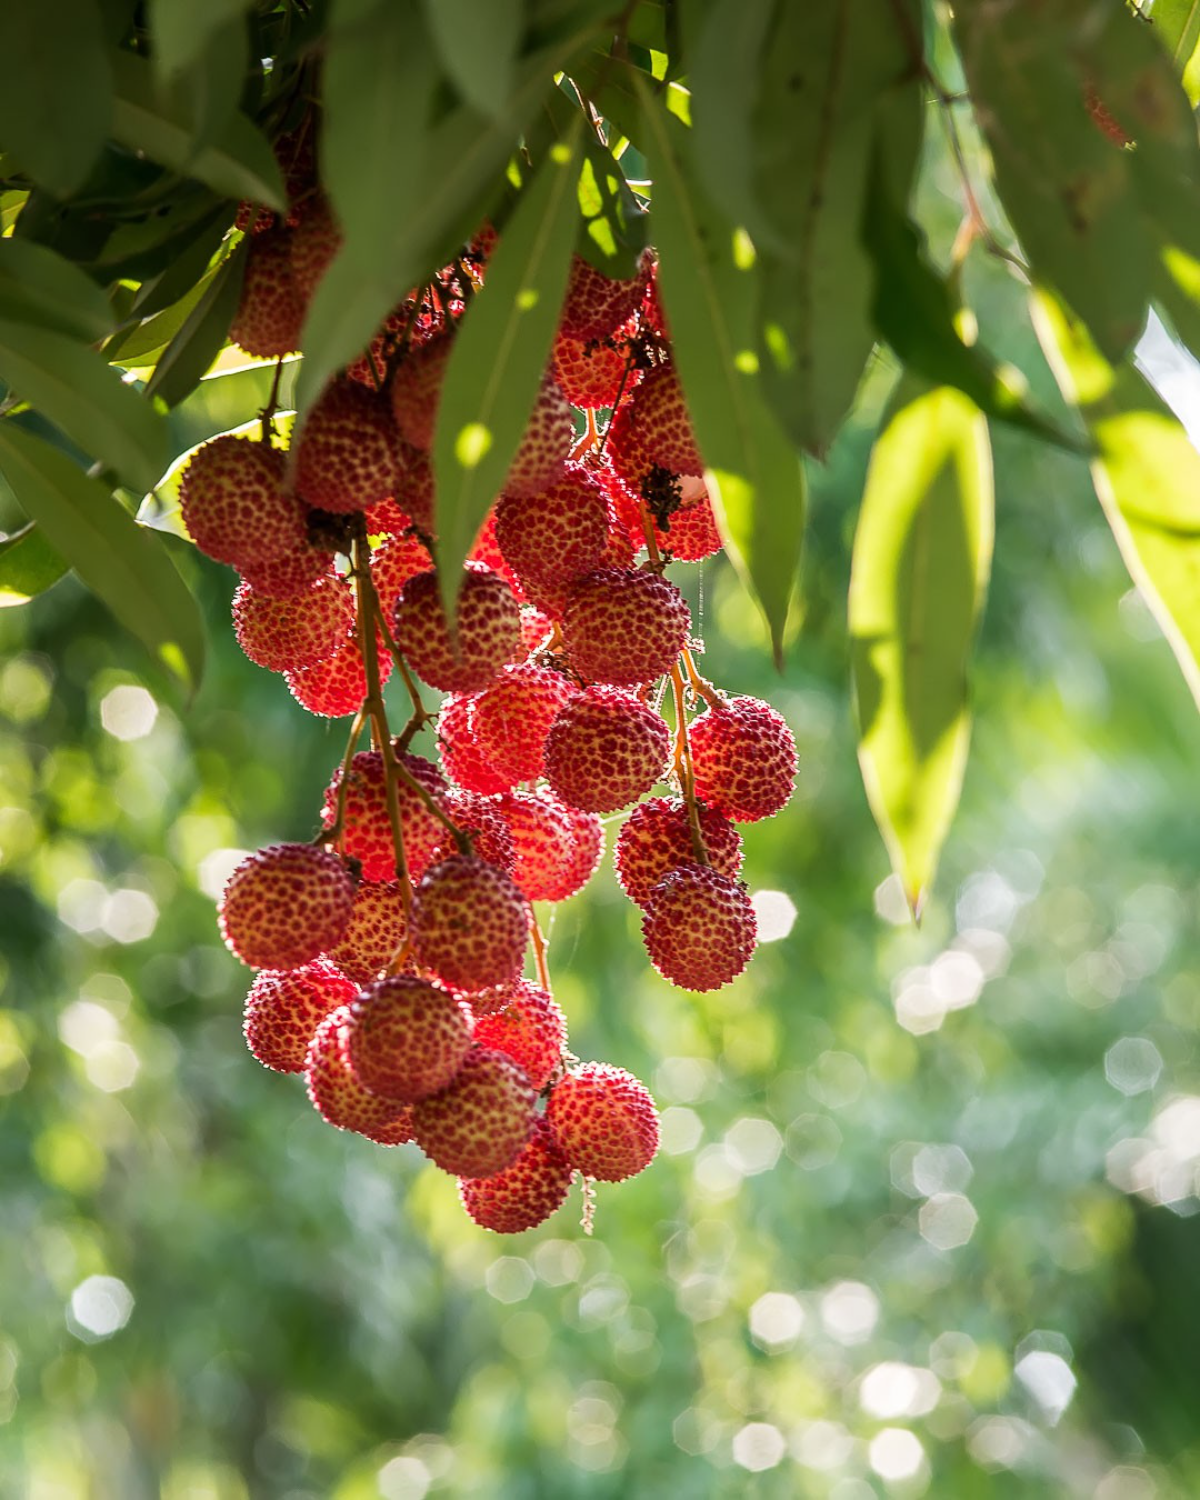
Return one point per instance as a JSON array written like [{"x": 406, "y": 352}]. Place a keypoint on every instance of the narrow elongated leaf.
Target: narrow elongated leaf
[
  {"x": 462, "y": 175},
  {"x": 39, "y": 286},
  {"x": 614, "y": 223},
  {"x": 477, "y": 45},
  {"x": 56, "y": 99},
  {"x": 1147, "y": 477},
  {"x": 182, "y": 30},
  {"x": 922, "y": 558},
  {"x": 190, "y": 354},
  {"x": 500, "y": 355},
  {"x": 914, "y": 311},
  {"x": 29, "y": 565},
  {"x": 75, "y": 389},
  {"x": 1069, "y": 193},
  {"x": 710, "y": 293},
  {"x": 239, "y": 163},
  {"x": 116, "y": 558},
  {"x": 1177, "y": 291},
  {"x": 1177, "y": 23}
]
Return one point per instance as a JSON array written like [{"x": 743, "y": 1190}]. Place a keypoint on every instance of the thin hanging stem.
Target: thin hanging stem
[{"x": 684, "y": 769}]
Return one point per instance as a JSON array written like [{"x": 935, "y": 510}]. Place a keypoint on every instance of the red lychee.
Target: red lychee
[
  {"x": 271, "y": 312},
  {"x": 469, "y": 924},
  {"x": 552, "y": 538},
  {"x": 491, "y": 836},
  {"x": 488, "y": 629},
  {"x": 605, "y": 749},
  {"x": 624, "y": 627},
  {"x": 316, "y": 239},
  {"x": 284, "y": 1009},
  {"x": 336, "y": 687},
  {"x": 546, "y": 834},
  {"x": 347, "y": 452},
  {"x": 656, "y": 837},
  {"x": 408, "y": 1038},
  {"x": 653, "y": 430},
  {"x": 532, "y": 1030},
  {"x": 524, "y": 1194},
  {"x": 375, "y": 932},
  {"x": 699, "y": 927},
  {"x": 368, "y": 832},
  {"x": 546, "y": 443},
  {"x": 604, "y": 1122},
  {"x": 744, "y": 757},
  {"x": 235, "y": 506},
  {"x": 415, "y": 391},
  {"x": 512, "y": 718},
  {"x": 393, "y": 564},
  {"x": 290, "y": 574},
  {"x": 339, "y": 1097},
  {"x": 479, "y": 1124},
  {"x": 286, "y": 635},
  {"x": 596, "y": 305},
  {"x": 594, "y": 374},
  {"x": 464, "y": 761},
  {"x": 285, "y": 905}
]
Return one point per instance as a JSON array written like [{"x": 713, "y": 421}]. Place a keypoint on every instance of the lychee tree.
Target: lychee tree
[{"x": 450, "y": 327}]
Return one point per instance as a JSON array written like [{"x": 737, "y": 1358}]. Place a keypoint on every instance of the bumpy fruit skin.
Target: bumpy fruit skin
[
  {"x": 285, "y": 905},
  {"x": 336, "y": 687},
  {"x": 283, "y": 1010},
  {"x": 552, "y": 538},
  {"x": 688, "y": 534},
  {"x": 699, "y": 927},
  {"x": 604, "y": 1122},
  {"x": 415, "y": 391},
  {"x": 656, "y": 837},
  {"x": 624, "y": 627},
  {"x": 511, "y": 719},
  {"x": 605, "y": 749},
  {"x": 287, "y": 635},
  {"x": 375, "y": 932},
  {"x": 546, "y": 444},
  {"x": 368, "y": 830},
  {"x": 532, "y": 1030},
  {"x": 596, "y": 305},
  {"x": 481, "y": 819},
  {"x": 489, "y": 627},
  {"x": 271, "y": 312},
  {"x": 289, "y": 575},
  {"x": 479, "y": 1124},
  {"x": 524, "y": 1194},
  {"x": 399, "y": 559},
  {"x": 744, "y": 757},
  {"x": 235, "y": 506},
  {"x": 347, "y": 452},
  {"x": 462, "y": 757},
  {"x": 593, "y": 374},
  {"x": 654, "y": 431},
  {"x": 469, "y": 924},
  {"x": 338, "y": 1096},
  {"x": 408, "y": 1038},
  {"x": 316, "y": 239},
  {"x": 557, "y": 847}
]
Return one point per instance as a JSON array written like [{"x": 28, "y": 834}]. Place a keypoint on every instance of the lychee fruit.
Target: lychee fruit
[
  {"x": 462, "y": 757},
  {"x": 744, "y": 758},
  {"x": 415, "y": 391},
  {"x": 488, "y": 629},
  {"x": 408, "y": 1038},
  {"x": 367, "y": 834},
  {"x": 469, "y": 924},
  {"x": 511, "y": 719},
  {"x": 285, "y": 905},
  {"x": 284, "y": 1009},
  {"x": 552, "y": 538},
  {"x": 375, "y": 932},
  {"x": 289, "y": 575},
  {"x": 337, "y": 1094},
  {"x": 480, "y": 1123},
  {"x": 316, "y": 239},
  {"x": 653, "y": 430},
  {"x": 604, "y": 1122},
  {"x": 546, "y": 834},
  {"x": 596, "y": 305},
  {"x": 594, "y": 374},
  {"x": 605, "y": 749},
  {"x": 546, "y": 443},
  {"x": 699, "y": 927},
  {"x": 624, "y": 627},
  {"x": 532, "y": 1030},
  {"x": 336, "y": 687},
  {"x": 656, "y": 837},
  {"x": 484, "y": 822},
  {"x": 286, "y": 635},
  {"x": 393, "y": 564},
  {"x": 234, "y": 504},
  {"x": 271, "y": 312},
  {"x": 346, "y": 454},
  {"x": 524, "y": 1194}
]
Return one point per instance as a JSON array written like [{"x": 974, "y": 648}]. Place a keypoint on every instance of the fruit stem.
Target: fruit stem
[
  {"x": 420, "y": 713},
  {"x": 336, "y": 833},
  {"x": 539, "y": 952},
  {"x": 588, "y": 441},
  {"x": 399, "y": 958},
  {"x": 649, "y": 534},
  {"x": 430, "y": 802},
  {"x": 684, "y": 769},
  {"x": 700, "y": 685},
  {"x": 373, "y": 705},
  {"x": 625, "y": 373},
  {"x": 588, "y": 1221},
  {"x": 272, "y": 406}
]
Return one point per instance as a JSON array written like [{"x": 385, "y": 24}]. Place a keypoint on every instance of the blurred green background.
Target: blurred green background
[{"x": 924, "y": 1221}]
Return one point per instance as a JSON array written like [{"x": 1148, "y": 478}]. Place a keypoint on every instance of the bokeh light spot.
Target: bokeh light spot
[
  {"x": 776, "y": 914},
  {"x": 758, "y": 1446},
  {"x": 947, "y": 1220},
  {"x": 99, "y": 1307},
  {"x": 128, "y": 713}
]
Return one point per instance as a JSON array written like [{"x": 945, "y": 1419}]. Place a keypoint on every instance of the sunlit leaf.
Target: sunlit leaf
[
  {"x": 709, "y": 291},
  {"x": 115, "y": 557},
  {"x": 500, "y": 354},
  {"x": 922, "y": 558},
  {"x": 29, "y": 565},
  {"x": 201, "y": 337},
  {"x": 1147, "y": 477}
]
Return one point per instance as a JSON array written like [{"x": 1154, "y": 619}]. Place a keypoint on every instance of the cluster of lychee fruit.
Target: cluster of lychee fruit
[{"x": 392, "y": 950}]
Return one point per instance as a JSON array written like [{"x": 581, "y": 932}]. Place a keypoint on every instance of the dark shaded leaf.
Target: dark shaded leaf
[
  {"x": 922, "y": 559},
  {"x": 1147, "y": 477},
  {"x": 477, "y": 46},
  {"x": 74, "y": 388},
  {"x": 500, "y": 354},
  {"x": 116, "y": 558},
  {"x": 710, "y": 299},
  {"x": 183, "y": 31},
  {"x": 190, "y": 354},
  {"x": 56, "y": 100},
  {"x": 38, "y": 286},
  {"x": 29, "y": 565}
]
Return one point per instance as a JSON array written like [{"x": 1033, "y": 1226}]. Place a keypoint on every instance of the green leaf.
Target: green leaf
[
  {"x": 220, "y": 402},
  {"x": 183, "y": 31},
  {"x": 156, "y": 332},
  {"x": 39, "y": 286},
  {"x": 826, "y": 67},
  {"x": 74, "y": 388},
  {"x": 1069, "y": 193},
  {"x": 1177, "y": 290},
  {"x": 500, "y": 354},
  {"x": 462, "y": 172},
  {"x": 29, "y": 565},
  {"x": 1177, "y": 23},
  {"x": 922, "y": 558},
  {"x": 1147, "y": 477},
  {"x": 614, "y": 222},
  {"x": 190, "y": 354},
  {"x": 477, "y": 46},
  {"x": 709, "y": 289},
  {"x": 56, "y": 99},
  {"x": 116, "y": 558},
  {"x": 239, "y": 163},
  {"x": 914, "y": 310}
]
